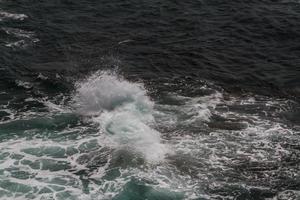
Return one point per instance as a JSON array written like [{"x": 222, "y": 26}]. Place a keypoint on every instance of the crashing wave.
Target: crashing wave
[{"x": 123, "y": 111}]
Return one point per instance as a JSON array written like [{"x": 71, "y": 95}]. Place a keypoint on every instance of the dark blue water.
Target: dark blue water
[{"x": 150, "y": 99}]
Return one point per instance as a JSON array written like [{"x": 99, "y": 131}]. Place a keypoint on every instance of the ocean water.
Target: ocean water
[{"x": 156, "y": 100}]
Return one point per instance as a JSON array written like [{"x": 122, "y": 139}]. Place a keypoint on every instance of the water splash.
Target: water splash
[{"x": 123, "y": 111}]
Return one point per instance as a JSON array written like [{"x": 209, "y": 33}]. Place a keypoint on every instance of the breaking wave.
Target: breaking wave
[
  {"x": 110, "y": 140},
  {"x": 123, "y": 111}
]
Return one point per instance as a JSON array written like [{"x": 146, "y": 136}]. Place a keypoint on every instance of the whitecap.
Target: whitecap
[
  {"x": 24, "y": 84},
  {"x": 123, "y": 111},
  {"x": 19, "y": 32},
  {"x": 6, "y": 15}
]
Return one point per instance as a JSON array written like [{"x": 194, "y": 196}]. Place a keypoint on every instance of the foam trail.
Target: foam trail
[
  {"x": 7, "y": 15},
  {"x": 123, "y": 111}
]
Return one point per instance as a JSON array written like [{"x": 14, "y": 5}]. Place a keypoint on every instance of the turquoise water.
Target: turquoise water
[{"x": 109, "y": 140}]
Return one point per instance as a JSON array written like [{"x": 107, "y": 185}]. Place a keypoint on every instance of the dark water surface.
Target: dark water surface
[{"x": 134, "y": 99}]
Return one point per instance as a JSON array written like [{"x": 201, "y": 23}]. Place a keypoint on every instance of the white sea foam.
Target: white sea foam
[
  {"x": 42, "y": 77},
  {"x": 200, "y": 108},
  {"x": 21, "y": 154},
  {"x": 125, "y": 115},
  {"x": 6, "y": 15},
  {"x": 24, "y": 84},
  {"x": 124, "y": 112},
  {"x": 19, "y": 32},
  {"x": 24, "y": 38},
  {"x": 189, "y": 111}
]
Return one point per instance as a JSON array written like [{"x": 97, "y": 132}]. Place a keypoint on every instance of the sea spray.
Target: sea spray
[{"x": 123, "y": 111}]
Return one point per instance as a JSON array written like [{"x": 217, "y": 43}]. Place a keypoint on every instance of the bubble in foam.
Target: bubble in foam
[{"x": 123, "y": 111}]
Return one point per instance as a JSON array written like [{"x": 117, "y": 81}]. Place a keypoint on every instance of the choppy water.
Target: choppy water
[{"x": 135, "y": 100}]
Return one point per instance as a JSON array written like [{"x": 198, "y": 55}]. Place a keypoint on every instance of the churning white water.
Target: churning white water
[
  {"x": 94, "y": 152},
  {"x": 123, "y": 111}
]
